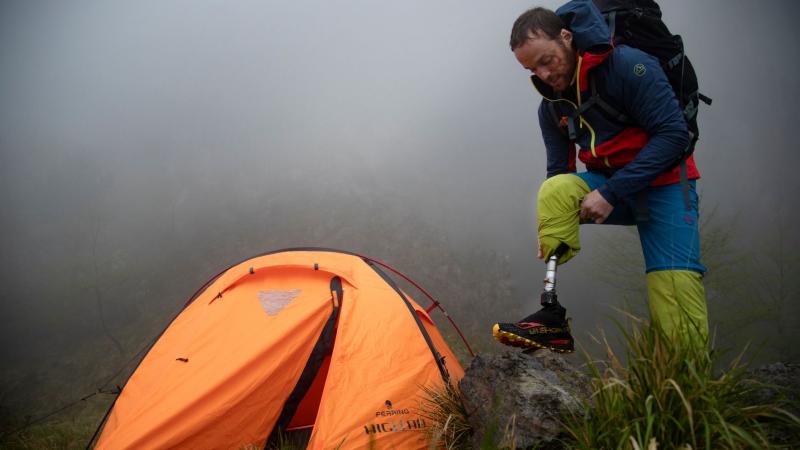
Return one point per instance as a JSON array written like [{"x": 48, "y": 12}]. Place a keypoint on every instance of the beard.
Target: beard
[{"x": 562, "y": 77}]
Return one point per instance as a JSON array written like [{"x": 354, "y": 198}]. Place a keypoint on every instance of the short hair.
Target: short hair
[{"x": 534, "y": 22}]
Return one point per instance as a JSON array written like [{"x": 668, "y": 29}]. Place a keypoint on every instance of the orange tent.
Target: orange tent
[{"x": 315, "y": 340}]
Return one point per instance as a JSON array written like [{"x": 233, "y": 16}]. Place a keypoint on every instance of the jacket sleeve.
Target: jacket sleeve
[
  {"x": 560, "y": 157},
  {"x": 650, "y": 101}
]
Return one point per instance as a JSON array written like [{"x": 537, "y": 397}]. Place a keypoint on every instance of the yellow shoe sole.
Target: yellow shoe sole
[{"x": 513, "y": 340}]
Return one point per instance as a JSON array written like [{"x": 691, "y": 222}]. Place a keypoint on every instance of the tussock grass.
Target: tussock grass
[
  {"x": 669, "y": 395},
  {"x": 443, "y": 409}
]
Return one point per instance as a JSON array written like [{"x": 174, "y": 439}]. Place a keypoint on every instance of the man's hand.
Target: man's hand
[{"x": 595, "y": 207}]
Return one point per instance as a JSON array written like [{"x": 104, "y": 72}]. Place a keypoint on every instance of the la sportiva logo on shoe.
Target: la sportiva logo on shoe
[{"x": 546, "y": 330}]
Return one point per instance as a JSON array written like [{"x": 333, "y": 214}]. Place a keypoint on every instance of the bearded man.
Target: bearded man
[{"x": 637, "y": 172}]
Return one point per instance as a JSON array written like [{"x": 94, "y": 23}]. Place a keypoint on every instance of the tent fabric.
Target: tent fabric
[{"x": 222, "y": 373}]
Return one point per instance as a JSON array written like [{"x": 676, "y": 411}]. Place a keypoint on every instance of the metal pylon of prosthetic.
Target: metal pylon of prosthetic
[{"x": 549, "y": 296}]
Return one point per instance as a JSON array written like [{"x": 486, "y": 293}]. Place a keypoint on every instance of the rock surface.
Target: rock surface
[
  {"x": 785, "y": 376},
  {"x": 515, "y": 399},
  {"x": 783, "y": 380}
]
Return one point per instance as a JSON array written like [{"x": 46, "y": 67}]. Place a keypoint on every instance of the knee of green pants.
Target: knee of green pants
[
  {"x": 557, "y": 209},
  {"x": 678, "y": 304}
]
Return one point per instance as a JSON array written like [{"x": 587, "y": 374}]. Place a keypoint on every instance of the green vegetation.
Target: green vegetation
[
  {"x": 670, "y": 395},
  {"x": 667, "y": 395},
  {"x": 60, "y": 433},
  {"x": 53, "y": 436},
  {"x": 442, "y": 407}
]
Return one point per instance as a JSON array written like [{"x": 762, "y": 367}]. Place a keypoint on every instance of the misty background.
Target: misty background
[{"x": 146, "y": 146}]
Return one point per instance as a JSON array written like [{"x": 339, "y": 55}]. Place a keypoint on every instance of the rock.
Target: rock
[
  {"x": 785, "y": 376},
  {"x": 515, "y": 399},
  {"x": 781, "y": 380}
]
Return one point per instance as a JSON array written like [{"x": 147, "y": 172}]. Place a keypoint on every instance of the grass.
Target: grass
[
  {"x": 670, "y": 395},
  {"x": 442, "y": 407},
  {"x": 666, "y": 395},
  {"x": 58, "y": 435},
  {"x": 69, "y": 429}
]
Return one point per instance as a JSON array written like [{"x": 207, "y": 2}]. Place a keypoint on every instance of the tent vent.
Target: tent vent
[{"x": 274, "y": 302}]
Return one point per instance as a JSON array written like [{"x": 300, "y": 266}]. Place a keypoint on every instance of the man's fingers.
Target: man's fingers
[
  {"x": 587, "y": 214},
  {"x": 594, "y": 208}
]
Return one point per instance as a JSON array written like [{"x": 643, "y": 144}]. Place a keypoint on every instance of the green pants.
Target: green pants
[{"x": 669, "y": 238}]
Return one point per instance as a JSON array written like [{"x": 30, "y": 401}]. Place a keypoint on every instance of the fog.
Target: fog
[{"x": 144, "y": 146}]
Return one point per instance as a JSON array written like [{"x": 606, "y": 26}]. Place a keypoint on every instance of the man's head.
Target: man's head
[{"x": 542, "y": 45}]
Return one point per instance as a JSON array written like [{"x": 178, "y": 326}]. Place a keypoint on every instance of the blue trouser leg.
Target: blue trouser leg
[{"x": 670, "y": 237}]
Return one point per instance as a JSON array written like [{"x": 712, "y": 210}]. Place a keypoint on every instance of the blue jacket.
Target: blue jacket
[{"x": 636, "y": 155}]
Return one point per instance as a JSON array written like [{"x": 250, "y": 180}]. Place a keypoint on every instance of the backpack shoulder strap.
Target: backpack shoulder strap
[
  {"x": 596, "y": 99},
  {"x": 604, "y": 106}
]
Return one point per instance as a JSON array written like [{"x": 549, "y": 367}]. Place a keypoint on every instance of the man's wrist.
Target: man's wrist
[{"x": 608, "y": 195}]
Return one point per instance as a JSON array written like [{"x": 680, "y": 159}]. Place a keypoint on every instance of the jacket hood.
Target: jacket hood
[
  {"x": 589, "y": 30},
  {"x": 590, "y": 35}
]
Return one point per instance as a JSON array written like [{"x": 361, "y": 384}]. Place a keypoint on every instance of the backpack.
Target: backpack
[{"x": 638, "y": 24}]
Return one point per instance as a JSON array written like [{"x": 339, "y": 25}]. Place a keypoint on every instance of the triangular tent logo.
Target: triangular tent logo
[{"x": 274, "y": 302}]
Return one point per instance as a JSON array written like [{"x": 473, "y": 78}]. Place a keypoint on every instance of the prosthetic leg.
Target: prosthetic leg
[
  {"x": 547, "y": 328},
  {"x": 558, "y": 204}
]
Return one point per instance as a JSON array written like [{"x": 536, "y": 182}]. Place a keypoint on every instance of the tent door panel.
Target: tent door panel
[
  {"x": 307, "y": 411},
  {"x": 314, "y": 366}
]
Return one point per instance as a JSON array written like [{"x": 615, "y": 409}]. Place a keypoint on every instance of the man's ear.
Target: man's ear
[{"x": 566, "y": 36}]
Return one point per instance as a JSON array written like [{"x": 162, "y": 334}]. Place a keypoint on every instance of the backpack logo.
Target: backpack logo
[{"x": 639, "y": 69}]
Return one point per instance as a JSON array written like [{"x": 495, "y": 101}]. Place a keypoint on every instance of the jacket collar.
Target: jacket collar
[{"x": 587, "y": 62}]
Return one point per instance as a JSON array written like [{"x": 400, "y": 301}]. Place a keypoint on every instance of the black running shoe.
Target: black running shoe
[{"x": 547, "y": 328}]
